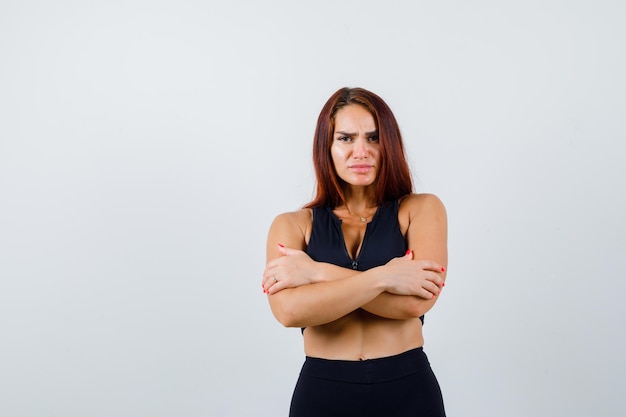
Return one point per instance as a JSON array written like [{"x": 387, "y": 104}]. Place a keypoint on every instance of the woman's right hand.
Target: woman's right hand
[
  {"x": 421, "y": 278},
  {"x": 292, "y": 269}
]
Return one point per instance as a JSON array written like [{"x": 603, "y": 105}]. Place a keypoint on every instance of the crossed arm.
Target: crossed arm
[{"x": 310, "y": 293}]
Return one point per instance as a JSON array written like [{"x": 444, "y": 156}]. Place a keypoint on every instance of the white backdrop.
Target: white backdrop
[{"x": 145, "y": 147}]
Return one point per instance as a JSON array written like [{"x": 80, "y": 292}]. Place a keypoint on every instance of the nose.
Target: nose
[{"x": 361, "y": 149}]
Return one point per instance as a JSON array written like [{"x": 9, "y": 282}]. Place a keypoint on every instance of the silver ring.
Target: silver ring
[{"x": 274, "y": 278}]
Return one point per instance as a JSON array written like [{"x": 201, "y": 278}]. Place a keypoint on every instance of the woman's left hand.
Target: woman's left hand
[{"x": 293, "y": 269}]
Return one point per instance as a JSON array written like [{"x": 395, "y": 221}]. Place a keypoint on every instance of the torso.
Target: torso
[{"x": 360, "y": 334}]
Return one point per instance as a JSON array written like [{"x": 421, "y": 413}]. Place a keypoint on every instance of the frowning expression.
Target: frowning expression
[{"x": 355, "y": 149}]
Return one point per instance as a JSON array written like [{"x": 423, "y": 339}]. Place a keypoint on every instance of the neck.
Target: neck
[
  {"x": 359, "y": 199},
  {"x": 360, "y": 204}
]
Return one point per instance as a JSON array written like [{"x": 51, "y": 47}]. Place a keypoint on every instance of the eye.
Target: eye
[
  {"x": 373, "y": 138},
  {"x": 343, "y": 139}
]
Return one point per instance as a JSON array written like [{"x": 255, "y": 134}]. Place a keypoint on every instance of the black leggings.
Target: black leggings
[{"x": 396, "y": 386}]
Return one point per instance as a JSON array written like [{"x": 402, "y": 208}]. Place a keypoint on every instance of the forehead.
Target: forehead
[{"x": 354, "y": 117}]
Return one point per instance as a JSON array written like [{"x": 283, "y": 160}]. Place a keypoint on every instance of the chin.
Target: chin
[{"x": 361, "y": 183}]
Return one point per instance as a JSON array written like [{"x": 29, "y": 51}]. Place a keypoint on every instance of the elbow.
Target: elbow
[
  {"x": 417, "y": 307},
  {"x": 286, "y": 316},
  {"x": 416, "y": 312},
  {"x": 286, "y": 320}
]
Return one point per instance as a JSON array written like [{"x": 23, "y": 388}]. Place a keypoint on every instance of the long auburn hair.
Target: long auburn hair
[{"x": 394, "y": 176}]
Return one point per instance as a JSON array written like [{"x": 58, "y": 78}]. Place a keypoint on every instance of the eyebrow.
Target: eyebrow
[{"x": 340, "y": 132}]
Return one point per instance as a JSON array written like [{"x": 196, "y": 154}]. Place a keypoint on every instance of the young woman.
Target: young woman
[{"x": 358, "y": 267}]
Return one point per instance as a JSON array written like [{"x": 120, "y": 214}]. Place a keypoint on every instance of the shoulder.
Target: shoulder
[
  {"x": 302, "y": 216},
  {"x": 421, "y": 209},
  {"x": 293, "y": 226},
  {"x": 415, "y": 204}
]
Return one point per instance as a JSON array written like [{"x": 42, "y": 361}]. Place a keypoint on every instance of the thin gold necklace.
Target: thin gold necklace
[{"x": 361, "y": 218}]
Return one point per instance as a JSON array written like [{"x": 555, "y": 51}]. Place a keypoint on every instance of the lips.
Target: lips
[{"x": 361, "y": 168}]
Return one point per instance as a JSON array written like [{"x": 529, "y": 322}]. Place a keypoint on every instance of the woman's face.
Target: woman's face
[{"x": 355, "y": 149}]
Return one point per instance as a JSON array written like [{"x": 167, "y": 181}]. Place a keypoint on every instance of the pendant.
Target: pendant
[{"x": 363, "y": 219}]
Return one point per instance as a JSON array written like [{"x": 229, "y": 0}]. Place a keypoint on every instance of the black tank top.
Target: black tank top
[{"x": 382, "y": 241}]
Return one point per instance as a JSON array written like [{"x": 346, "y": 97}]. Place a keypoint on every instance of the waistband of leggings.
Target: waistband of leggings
[{"x": 388, "y": 368}]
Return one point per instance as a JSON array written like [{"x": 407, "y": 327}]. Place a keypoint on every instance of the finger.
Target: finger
[
  {"x": 267, "y": 274},
  {"x": 269, "y": 281},
  {"x": 288, "y": 251},
  {"x": 275, "y": 285},
  {"x": 436, "y": 279},
  {"x": 427, "y": 291},
  {"x": 431, "y": 266},
  {"x": 432, "y": 288},
  {"x": 281, "y": 248},
  {"x": 409, "y": 254}
]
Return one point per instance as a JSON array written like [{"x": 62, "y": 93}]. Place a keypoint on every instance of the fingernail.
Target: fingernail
[
  {"x": 443, "y": 269},
  {"x": 443, "y": 285},
  {"x": 281, "y": 245},
  {"x": 407, "y": 251}
]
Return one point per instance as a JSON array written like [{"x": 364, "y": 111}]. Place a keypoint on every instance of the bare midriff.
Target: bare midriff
[{"x": 361, "y": 335}]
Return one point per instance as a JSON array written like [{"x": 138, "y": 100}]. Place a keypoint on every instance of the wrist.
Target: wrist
[
  {"x": 381, "y": 283},
  {"x": 321, "y": 273}
]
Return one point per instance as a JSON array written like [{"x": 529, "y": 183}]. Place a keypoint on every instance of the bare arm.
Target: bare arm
[
  {"x": 427, "y": 237},
  {"x": 319, "y": 301},
  {"x": 295, "y": 268}
]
